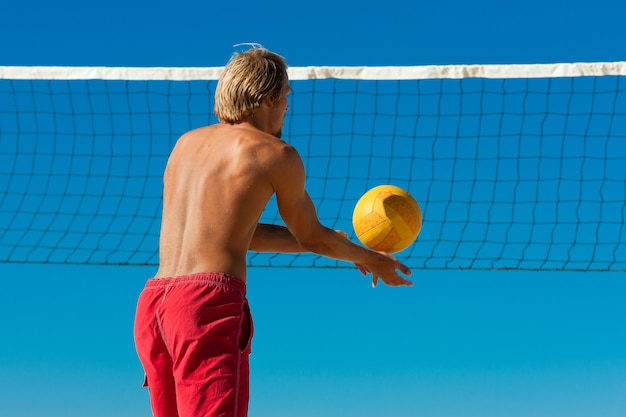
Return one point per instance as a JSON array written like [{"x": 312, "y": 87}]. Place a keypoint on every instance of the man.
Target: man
[{"x": 193, "y": 327}]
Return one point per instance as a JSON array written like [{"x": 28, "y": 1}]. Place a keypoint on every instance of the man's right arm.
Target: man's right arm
[{"x": 300, "y": 216}]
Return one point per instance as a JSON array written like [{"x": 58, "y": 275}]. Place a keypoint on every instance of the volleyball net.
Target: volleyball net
[{"x": 515, "y": 166}]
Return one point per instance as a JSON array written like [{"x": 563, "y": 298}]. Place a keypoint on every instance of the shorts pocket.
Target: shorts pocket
[{"x": 247, "y": 330}]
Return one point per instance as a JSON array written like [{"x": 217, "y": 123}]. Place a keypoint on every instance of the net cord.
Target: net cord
[{"x": 579, "y": 69}]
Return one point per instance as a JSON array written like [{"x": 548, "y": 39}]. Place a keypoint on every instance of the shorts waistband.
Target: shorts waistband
[{"x": 216, "y": 277}]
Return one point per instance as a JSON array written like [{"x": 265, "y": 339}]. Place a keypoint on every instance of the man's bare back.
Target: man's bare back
[{"x": 216, "y": 185}]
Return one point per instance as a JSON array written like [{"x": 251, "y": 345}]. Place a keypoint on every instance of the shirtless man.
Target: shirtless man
[{"x": 193, "y": 327}]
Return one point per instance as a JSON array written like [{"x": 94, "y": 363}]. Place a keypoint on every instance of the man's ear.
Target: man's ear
[{"x": 269, "y": 101}]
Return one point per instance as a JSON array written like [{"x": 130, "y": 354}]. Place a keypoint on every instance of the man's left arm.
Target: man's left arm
[{"x": 274, "y": 238}]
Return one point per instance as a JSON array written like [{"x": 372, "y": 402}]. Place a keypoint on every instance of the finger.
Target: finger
[
  {"x": 374, "y": 281},
  {"x": 399, "y": 281},
  {"x": 404, "y": 269},
  {"x": 404, "y": 281},
  {"x": 361, "y": 268}
]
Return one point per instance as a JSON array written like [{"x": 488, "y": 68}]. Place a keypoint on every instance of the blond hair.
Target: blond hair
[{"x": 248, "y": 79}]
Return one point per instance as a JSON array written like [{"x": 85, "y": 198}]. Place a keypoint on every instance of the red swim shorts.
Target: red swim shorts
[{"x": 193, "y": 336}]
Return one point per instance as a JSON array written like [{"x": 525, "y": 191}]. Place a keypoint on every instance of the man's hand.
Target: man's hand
[{"x": 383, "y": 266}]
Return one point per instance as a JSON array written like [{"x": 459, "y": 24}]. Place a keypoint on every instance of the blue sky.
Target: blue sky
[
  {"x": 459, "y": 343},
  {"x": 188, "y": 33}
]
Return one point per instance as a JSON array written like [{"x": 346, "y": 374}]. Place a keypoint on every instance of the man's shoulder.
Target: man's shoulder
[
  {"x": 244, "y": 140},
  {"x": 261, "y": 141}
]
